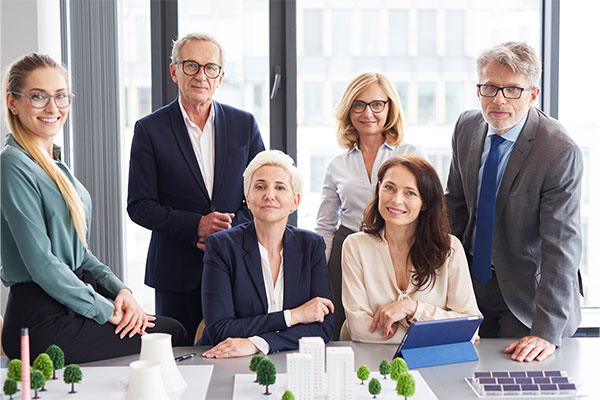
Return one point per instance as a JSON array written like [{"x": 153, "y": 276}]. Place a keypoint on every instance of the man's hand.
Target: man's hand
[
  {"x": 214, "y": 222},
  {"x": 529, "y": 348},
  {"x": 129, "y": 316},
  {"x": 232, "y": 347},
  {"x": 390, "y": 313},
  {"x": 313, "y": 310}
]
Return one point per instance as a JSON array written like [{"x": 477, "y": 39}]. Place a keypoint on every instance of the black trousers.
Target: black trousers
[
  {"x": 335, "y": 278},
  {"x": 82, "y": 339},
  {"x": 185, "y": 307}
]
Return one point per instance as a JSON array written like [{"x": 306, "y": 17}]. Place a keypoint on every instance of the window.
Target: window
[
  {"x": 313, "y": 103},
  {"x": 398, "y": 37},
  {"x": 370, "y": 37},
  {"x": 455, "y": 100},
  {"x": 313, "y": 32},
  {"x": 426, "y": 102},
  {"x": 426, "y": 32},
  {"x": 455, "y": 32},
  {"x": 341, "y": 32}
]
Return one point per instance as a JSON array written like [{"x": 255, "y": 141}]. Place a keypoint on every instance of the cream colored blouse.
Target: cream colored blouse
[{"x": 369, "y": 281}]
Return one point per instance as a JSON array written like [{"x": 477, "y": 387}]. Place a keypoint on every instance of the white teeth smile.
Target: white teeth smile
[
  {"x": 48, "y": 120},
  {"x": 396, "y": 211}
]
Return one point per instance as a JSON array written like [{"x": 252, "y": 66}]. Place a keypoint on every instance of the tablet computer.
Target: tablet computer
[{"x": 440, "y": 341}]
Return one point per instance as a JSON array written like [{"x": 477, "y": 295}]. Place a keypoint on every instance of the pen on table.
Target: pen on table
[{"x": 184, "y": 357}]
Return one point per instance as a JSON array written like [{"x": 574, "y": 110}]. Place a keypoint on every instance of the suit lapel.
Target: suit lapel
[
  {"x": 253, "y": 263},
  {"x": 293, "y": 260},
  {"x": 185, "y": 144},
  {"x": 475, "y": 150},
  {"x": 221, "y": 144},
  {"x": 516, "y": 161}
]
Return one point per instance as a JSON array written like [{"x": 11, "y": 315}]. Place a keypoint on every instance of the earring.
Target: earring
[{"x": 14, "y": 112}]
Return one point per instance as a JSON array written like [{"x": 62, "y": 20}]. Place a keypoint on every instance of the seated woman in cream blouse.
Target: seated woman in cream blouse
[{"x": 404, "y": 266}]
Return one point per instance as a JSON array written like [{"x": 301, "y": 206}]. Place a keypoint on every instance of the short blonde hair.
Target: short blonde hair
[
  {"x": 347, "y": 135},
  {"x": 276, "y": 158}
]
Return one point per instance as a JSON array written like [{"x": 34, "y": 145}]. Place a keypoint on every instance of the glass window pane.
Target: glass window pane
[
  {"x": 582, "y": 121},
  {"x": 426, "y": 102},
  {"x": 455, "y": 32},
  {"x": 455, "y": 99},
  {"x": 369, "y": 32},
  {"x": 313, "y": 103},
  {"x": 341, "y": 34},
  {"x": 313, "y": 32},
  {"x": 426, "y": 32},
  {"x": 398, "y": 35}
]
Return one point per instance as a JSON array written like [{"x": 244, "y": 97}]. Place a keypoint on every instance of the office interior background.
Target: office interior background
[{"x": 117, "y": 53}]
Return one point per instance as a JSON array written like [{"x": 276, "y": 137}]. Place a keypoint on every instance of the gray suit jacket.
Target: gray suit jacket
[{"x": 537, "y": 237}]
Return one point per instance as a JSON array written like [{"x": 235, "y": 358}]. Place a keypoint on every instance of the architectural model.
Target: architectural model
[
  {"x": 300, "y": 375},
  {"x": 316, "y": 348},
  {"x": 340, "y": 373}
]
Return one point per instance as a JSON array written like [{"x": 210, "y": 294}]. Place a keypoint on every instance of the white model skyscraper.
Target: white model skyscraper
[
  {"x": 340, "y": 373},
  {"x": 316, "y": 348},
  {"x": 300, "y": 375}
]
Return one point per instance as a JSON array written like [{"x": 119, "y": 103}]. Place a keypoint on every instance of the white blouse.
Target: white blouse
[
  {"x": 369, "y": 281},
  {"x": 347, "y": 189}
]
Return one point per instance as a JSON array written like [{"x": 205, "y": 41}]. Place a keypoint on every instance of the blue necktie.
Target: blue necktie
[{"x": 484, "y": 235}]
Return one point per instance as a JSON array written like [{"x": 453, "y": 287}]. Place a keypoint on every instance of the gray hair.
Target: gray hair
[
  {"x": 178, "y": 44},
  {"x": 276, "y": 158},
  {"x": 519, "y": 56}
]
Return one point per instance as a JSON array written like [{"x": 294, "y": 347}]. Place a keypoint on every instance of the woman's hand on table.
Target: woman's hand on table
[
  {"x": 386, "y": 316},
  {"x": 232, "y": 347}
]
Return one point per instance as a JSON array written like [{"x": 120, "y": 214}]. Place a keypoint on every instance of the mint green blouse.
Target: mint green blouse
[{"x": 39, "y": 242}]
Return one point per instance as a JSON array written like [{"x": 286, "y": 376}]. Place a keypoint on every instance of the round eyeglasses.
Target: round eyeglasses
[
  {"x": 509, "y": 92},
  {"x": 376, "y": 106},
  {"x": 41, "y": 99},
  {"x": 191, "y": 68}
]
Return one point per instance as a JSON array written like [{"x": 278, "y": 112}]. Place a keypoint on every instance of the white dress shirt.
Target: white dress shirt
[
  {"x": 203, "y": 142},
  {"x": 347, "y": 189},
  {"x": 274, "y": 295}
]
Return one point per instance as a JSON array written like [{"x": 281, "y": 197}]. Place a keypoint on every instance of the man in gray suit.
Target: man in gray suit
[{"x": 513, "y": 198}]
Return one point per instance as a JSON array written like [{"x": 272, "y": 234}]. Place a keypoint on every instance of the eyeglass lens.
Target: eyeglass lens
[
  {"x": 376, "y": 106},
  {"x": 191, "y": 68}
]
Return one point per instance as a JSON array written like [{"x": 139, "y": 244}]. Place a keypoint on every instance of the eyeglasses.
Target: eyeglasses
[
  {"x": 191, "y": 68},
  {"x": 41, "y": 99},
  {"x": 376, "y": 106},
  {"x": 509, "y": 92}
]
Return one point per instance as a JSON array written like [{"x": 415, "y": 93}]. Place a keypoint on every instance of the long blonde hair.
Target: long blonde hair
[
  {"x": 14, "y": 81},
  {"x": 393, "y": 131}
]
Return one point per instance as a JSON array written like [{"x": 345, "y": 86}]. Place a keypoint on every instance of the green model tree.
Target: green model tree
[
  {"x": 363, "y": 373},
  {"x": 267, "y": 373},
  {"x": 398, "y": 367},
  {"x": 288, "y": 395},
  {"x": 374, "y": 387},
  {"x": 37, "y": 381},
  {"x": 72, "y": 375},
  {"x": 384, "y": 368},
  {"x": 14, "y": 370},
  {"x": 406, "y": 385},
  {"x": 254, "y": 363},
  {"x": 10, "y": 387},
  {"x": 43, "y": 363},
  {"x": 58, "y": 358}
]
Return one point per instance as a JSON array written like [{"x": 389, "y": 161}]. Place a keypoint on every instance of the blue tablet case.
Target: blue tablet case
[{"x": 439, "y": 342}]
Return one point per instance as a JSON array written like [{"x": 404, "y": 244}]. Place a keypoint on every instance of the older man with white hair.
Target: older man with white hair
[{"x": 513, "y": 198}]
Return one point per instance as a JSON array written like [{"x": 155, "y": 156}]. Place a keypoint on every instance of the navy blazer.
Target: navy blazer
[
  {"x": 167, "y": 193},
  {"x": 234, "y": 300}
]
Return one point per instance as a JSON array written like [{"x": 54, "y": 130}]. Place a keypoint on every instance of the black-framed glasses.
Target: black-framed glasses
[
  {"x": 191, "y": 68},
  {"x": 509, "y": 92},
  {"x": 41, "y": 99},
  {"x": 376, "y": 106}
]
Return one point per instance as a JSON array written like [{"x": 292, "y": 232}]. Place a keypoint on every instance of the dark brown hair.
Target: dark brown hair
[{"x": 432, "y": 238}]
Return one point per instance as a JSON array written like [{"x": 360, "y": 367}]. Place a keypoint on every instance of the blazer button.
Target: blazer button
[{"x": 212, "y": 208}]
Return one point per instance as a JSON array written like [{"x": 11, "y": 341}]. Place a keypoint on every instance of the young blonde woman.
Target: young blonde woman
[{"x": 58, "y": 289}]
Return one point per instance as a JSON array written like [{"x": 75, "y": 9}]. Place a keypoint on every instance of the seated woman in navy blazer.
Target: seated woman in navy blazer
[{"x": 265, "y": 283}]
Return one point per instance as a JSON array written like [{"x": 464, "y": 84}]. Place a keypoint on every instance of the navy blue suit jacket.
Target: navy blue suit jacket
[
  {"x": 167, "y": 193},
  {"x": 234, "y": 300}
]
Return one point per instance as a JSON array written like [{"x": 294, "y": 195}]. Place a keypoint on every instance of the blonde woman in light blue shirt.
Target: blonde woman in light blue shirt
[{"x": 370, "y": 128}]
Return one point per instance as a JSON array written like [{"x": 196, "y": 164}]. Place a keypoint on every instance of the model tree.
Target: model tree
[
  {"x": 72, "y": 375},
  {"x": 267, "y": 373},
  {"x": 374, "y": 387},
  {"x": 37, "y": 381},
  {"x": 14, "y": 370},
  {"x": 44, "y": 364},
  {"x": 384, "y": 368},
  {"x": 10, "y": 387},
  {"x": 398, "y": 367},
  {"x": 57, "y": 356},
  {"x": 406, "y": 385},
  {"x": 254, "y": 363},
  {"x": 363, "y": 373},
  {"x": 288, "y": 395}
]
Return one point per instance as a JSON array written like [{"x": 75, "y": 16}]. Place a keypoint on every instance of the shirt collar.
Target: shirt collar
[
  {"x": 355, "y": 147},
  {"x": 189, "y": 122},
  {"x": 512, "y": 134}
]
